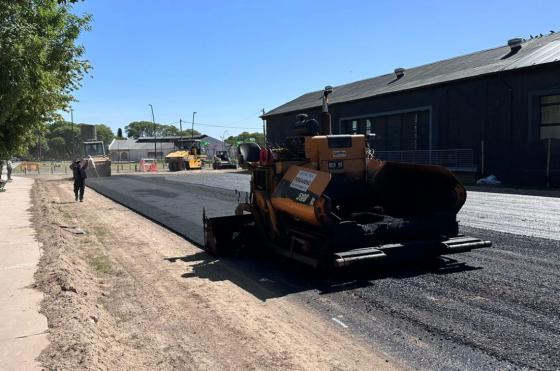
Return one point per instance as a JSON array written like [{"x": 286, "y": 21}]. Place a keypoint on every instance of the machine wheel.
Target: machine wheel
[{"x": 215, "y": 166}]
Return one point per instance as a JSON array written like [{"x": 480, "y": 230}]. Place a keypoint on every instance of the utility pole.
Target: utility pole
[
  {"x": 181, "y": 128},
  {"x": 38, "y": 147},
  {"x": 155, "y": 133},
  {"x": 180, "y": 133},
  {"x": 192, "y": 127},
  {"x": 73, "y": 144},
  {"x": 264, "y": 126}
]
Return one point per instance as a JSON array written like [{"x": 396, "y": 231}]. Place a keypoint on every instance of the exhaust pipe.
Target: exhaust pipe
[{"x": 325, "y": 115}]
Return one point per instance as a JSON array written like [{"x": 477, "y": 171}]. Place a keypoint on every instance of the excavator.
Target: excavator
[{"x": 326, "y": 201}]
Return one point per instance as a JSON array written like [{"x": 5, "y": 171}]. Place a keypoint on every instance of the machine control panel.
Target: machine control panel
[{"x": 339, "y": 141}]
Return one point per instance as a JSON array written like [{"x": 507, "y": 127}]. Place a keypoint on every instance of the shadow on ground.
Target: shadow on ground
[{"x": 268, "y": 276}]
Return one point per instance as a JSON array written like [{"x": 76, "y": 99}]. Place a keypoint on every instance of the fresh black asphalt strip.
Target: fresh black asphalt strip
[{"x": 495, "y": 308}]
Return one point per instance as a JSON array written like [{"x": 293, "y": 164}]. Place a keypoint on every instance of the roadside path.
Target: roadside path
[{"x": 23, "y": 331}]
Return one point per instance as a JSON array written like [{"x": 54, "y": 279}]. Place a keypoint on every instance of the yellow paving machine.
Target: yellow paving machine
[{"x": 326, "y": 201}]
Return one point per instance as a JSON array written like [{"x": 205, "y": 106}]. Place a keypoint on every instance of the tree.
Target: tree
[
  {"x": 104, "y": 133},
  {"x": 246, "y": 137},
  {"x": 41, "y": 66},
  {"x": 70, "y": 134},
  {"x": 39, "y": 148},
  {"x": 137, "y": 129},
  {"x": 189, "y": 133},
  {"x": 57, "y": 148}
]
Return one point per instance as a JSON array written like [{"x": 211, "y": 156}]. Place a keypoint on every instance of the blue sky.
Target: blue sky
[{"x": 227, "y": 60}]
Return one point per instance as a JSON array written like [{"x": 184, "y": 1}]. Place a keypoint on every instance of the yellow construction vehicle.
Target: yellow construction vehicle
[
  {"x": 190, "y": 156},
  {"x": 99, "y": 164},
  {"x": 325, "y": 200}
]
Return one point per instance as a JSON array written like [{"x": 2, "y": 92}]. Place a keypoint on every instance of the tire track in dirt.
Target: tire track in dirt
[{"x": 166, "y": 315}]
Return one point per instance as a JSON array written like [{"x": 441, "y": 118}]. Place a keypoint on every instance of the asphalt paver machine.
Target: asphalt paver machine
[{"x": 326, "y": 201}]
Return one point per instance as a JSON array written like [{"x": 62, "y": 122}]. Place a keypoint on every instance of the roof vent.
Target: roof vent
[
  {"x": 399, "y": 72},
  {"x": 515, "y": 43}
]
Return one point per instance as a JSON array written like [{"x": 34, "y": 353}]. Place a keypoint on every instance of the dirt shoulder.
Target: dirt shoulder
[{"x": 124, "y": 296}]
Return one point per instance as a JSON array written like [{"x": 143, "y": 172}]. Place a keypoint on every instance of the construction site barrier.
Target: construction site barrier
[
  {"x": 30, "y": 166},
  {"x": 145, "y": 166}
]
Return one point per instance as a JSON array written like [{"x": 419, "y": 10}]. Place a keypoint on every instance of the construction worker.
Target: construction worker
[
  {"x": 79, "y": 172},
  {"x": 9, "y": 169}
]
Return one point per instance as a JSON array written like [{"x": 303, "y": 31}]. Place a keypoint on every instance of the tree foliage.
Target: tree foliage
[
  {"x": 137, "y": 129},
  {"x": 104, "y": 133},
  {"x": 246, "y": 137},
  {"x": 41, "y": 65}
]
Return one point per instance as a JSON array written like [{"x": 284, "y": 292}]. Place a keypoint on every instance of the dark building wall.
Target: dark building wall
[{"x": 502, "y": 110}]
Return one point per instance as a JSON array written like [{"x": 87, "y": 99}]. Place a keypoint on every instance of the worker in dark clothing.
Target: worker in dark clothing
[
  {"x": 80, "y": 176},
  {"x": 9, "y": 169}
]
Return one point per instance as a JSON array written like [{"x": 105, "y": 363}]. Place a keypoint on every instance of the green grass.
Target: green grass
[
  {"x": 101, "y": 233},
  {"x": 101, "y": 263}
]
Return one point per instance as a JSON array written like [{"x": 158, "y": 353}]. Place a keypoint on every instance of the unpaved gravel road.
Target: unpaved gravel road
[
  {"x": 490, "y": 309},
  {"x": 130, "y": 295},
  {"x": 534, "y": 216}
]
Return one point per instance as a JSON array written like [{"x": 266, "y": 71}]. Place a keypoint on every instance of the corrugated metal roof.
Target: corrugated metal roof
[
  {"x": 170, "y": 138},
  {"x": 144, "y": 142},
  {"x": 130, "y": 144},
  {"x": 541, "y": 50}
]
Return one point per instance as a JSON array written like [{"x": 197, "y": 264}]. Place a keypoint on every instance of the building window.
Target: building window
[
  {"x": 368, "y": 127},
  {"x": 550, "y": 116},
  {"x": 396, "y": 132}
]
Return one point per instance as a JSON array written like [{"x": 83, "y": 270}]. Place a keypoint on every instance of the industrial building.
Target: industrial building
[
  {"x": 135, "y": 149},
  {"x": 495, "y": 112}
]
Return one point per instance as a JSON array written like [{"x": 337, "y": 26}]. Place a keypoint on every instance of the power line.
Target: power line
[
  {"x": 216, "y": 125},
  {"x": 224, "y": 126}
]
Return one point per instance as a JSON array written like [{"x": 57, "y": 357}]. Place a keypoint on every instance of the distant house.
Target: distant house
[{"x": 132, "y": 150}]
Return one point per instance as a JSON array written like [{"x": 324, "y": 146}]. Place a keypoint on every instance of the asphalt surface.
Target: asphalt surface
[{"x": 495, "y": 308}]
